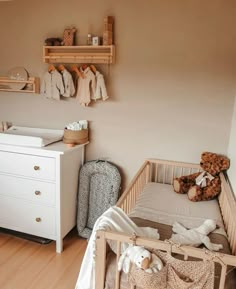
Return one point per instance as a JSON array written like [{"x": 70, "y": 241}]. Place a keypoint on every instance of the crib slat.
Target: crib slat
[
  {"x": 148, "y": 172},
  {"x": 164, "y": 175},
  {"x": 100, "y": 259},
  {"x": 223, "y": 276},
  {"x": 172, "y": 175},
  {"x": 156, "y": 173},
  {"x": 117, "y": 260},
  {"x": 233, "y": 240}
]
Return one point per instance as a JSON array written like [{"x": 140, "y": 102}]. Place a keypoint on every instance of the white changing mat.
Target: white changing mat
[
  {"x": 159, "y": 203},
  {"x": 28, "y": 136}
]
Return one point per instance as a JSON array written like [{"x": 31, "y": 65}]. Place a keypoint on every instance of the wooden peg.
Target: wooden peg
[
  {"x": 51, "y": 68},
  {"x": 74, "y": 67},
  {"x": 84, "y": 66},
  {"x": 77, "y": 71},
  {"x": 93, "y": 68},
  {"x": 61, "y": 67}
]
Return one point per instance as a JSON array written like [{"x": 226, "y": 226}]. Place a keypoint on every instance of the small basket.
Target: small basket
[{"x": 75, "y": 136}]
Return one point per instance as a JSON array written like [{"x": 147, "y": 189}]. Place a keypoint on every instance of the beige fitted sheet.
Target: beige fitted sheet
[{"x": 159, "y": 203}]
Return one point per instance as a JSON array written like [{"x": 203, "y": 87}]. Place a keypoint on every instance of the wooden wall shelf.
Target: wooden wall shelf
[
  {"x": 32, "y": 85},
  {"x": 79, "y": 54}
]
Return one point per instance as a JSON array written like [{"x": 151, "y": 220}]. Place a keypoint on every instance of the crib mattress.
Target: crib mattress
[{"x": 159, "y": 203}]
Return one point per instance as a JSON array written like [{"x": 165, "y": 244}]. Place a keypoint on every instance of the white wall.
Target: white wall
[{"x": 172, "y": 87}]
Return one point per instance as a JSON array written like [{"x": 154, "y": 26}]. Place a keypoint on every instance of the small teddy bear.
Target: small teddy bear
[
  {"x": 53, "y": 41},
  {"x": 206, "y": 185},
  {"x": 141, "y": 257},
  {"x": 196, "y": 236}
]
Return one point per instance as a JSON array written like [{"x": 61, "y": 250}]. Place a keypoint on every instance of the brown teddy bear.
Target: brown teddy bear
[
  {"x": 206, "y": 185},
  {"x": 53, "y": 41}
]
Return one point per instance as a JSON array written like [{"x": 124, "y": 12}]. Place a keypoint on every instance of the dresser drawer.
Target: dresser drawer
[
  {"x": 33, "y": 190},
  {"x": 27, "y": 217},
  {"x": 27, "y": 165}
]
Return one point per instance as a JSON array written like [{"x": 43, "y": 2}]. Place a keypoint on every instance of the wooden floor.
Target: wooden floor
[{"x": 29, "y": 265}]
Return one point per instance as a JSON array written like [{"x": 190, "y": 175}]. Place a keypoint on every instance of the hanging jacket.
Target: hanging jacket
[
  {"x": 101, "y": 91},
  {"x": 68, "y": 83},
  {"x": 86, "y": 87},
  {"x": 52, "y": 85}
]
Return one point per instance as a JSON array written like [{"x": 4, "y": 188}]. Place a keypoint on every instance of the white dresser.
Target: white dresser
[{"x": 38, "y": 189}]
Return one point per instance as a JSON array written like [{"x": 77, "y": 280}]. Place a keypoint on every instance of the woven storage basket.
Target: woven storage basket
[
  {"x": 138, "y": 277},
  {"x": 75, "y": 136}
]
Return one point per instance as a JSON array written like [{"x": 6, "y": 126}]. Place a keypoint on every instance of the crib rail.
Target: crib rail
[
  {"x": 228, "y": 210},
  {"x": 102, "y": 237},
  {"x": 129, "y": 197},
  {"x": 163, "y": 171}
]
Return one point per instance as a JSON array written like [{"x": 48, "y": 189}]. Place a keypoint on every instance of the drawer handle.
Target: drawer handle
[
  {"x": 36, "y": 168},
  {"x": 38, "y": 220},
  {"x": 37, "y": 193}
]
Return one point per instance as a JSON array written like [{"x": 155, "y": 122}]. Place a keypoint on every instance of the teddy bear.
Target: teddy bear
[
  {"x": 205, "y": 185},
  {"x": 196, "y": 236},
  {"x": 53, "y": 41},
  {"x": 141, "y": 257}
]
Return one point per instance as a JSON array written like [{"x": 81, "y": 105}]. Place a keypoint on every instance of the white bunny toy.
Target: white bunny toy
[
  {"x": 143, "y": 259},
  {"x": 197, "y": 236}
]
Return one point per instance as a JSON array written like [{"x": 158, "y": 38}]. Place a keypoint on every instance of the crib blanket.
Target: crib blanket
[{"x": 114, "y": 219}]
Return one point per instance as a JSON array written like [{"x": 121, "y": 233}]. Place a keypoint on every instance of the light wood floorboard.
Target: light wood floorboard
[{"x": 28, "y": 265}]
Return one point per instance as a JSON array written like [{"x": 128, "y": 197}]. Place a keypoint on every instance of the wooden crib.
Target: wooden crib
[{"x": 161, "y": 171}]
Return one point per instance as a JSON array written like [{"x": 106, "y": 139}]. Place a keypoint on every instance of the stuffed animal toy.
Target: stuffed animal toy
[
  {"x": 205, "y": 185},
  {"x": 195, "y": 237},
  {"x": 53, "y": 41},
  {"x": 141, "y": 257}
]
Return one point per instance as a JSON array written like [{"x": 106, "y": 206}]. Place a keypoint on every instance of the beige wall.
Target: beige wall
[
  {"x": 172, "y": 87},
  {"x": 231, "y": 151}
]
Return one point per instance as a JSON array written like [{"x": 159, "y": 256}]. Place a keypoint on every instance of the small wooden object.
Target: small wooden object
[
  {"x": 77, "y": 71},
  {"x": 109, "y": 20},
  {"x": 108, "y": 30},
  {"x": 51, "y": 67},
  {"x": 107, "y": 38},
  {"x": 69, "y": 37},
  {"x": 61, "y": 67},
  {"x": 93, "y": 68}
]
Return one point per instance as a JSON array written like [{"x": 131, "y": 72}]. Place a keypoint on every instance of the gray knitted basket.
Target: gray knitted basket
[{"x": 99, "y": 185}]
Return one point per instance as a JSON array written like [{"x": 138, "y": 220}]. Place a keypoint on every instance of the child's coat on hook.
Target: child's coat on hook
[{"x": 52, "y": 84}]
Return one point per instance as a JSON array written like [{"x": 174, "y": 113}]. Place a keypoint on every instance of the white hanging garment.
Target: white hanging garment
[
  {"x": 101, "y": 91},
  {"x": 68, "y": 83},
  {"x": 52, "y": 85},
  {"x": 86, "y": 87}
]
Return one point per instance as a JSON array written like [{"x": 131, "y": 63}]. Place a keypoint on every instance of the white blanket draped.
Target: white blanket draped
[{"x": 114, "y": 219}]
